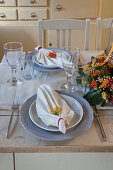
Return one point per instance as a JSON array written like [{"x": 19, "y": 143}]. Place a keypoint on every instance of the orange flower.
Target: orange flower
[
  {"x": 58, "y": 108},
  {"x": 110, "y": 65},
  {"x": 52, "y": 54},
  {"x": 82, "y": 81},
  {"x": 52, "y": 110},
  {"x": 101, "y": 56},
  {"x": 93, "y": 84},
  {"x": 56, "y": 111},
  {"x": 107, "y": 101},
  {"x": 105, "y": 82},
  {"x": 95, "y": 73}
]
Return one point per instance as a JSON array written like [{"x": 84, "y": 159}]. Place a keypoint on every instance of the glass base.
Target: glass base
[
  {"x": 80, "y": 93},
  {"x": 14, "y": 82},
  {"x": 68, "y": 87},
  {"x": 28, "y": 77}
]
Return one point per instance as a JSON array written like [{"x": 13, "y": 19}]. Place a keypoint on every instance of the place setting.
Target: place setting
[
  {"x": 47, "y": 59},
  {"x": 57, "y": 115}
]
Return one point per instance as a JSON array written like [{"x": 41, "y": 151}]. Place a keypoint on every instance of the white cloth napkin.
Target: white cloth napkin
[
  {"x": 47, "y": 99},
  {"x": 42, "y": 58}
]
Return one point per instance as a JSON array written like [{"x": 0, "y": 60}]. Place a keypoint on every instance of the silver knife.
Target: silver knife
[
  {"x": 10, "y": 122},
  {"x": 101, "y": 127}
]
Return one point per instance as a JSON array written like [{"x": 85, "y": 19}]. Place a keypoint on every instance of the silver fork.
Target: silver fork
[
  {"x": 101, "y": 126},
  {"x": 15, "y": 107},
  {"x": 5, "y": 108}
]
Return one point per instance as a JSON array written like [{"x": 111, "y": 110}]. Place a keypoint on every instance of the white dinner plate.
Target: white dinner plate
[
  {"x": 45, "y": 66},
  {"x": 75, "y": 106}
]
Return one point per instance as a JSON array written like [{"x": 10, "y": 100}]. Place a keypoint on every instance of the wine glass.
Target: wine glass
[
  {"x": 12, "y": 52},
  {"x": 70, "y": 58}
]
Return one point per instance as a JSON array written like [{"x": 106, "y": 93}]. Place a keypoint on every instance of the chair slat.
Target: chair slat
[
  {"x": 86, "y": 41},
  {"x": 69, "y": 39},
  {"x": 101, "y": 24},
  {"x": 98, "y": 44},
  {"x": 58, "y": 38},
  {"x": 40, "y": 28},
  {"x": 63, "y": 38}
]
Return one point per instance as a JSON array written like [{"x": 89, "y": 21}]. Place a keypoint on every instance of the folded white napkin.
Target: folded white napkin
[
  {"x": 44, "y": 58},
  {"x": 48, "y": 99}
]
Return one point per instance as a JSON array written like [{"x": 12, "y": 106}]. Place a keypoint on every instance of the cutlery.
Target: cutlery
[
  {"x": 15, "y": 107},
  {"x": 5, "y": 108},
  {"x": 101, "y": 126}
]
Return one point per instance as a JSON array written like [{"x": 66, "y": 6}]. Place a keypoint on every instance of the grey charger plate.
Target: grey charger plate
[{"x": 76, "y": 131}]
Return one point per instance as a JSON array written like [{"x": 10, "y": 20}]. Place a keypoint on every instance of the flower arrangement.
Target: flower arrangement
[
  {"x": 56, "y": 111},
  {"x": 99, "y": 80}
]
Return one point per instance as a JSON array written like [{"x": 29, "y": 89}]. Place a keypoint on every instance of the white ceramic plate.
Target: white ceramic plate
[
  {"x": 40, "y": 64},
  {"x": 75, "y": 106}
]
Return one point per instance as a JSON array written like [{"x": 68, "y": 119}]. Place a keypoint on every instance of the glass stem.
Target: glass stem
[
  {"x": 85, "y": 89},
  {"x": 74, "y": 80},
  {"x": 69, "y": 76},
  {"x": 22, "y": 73},
  {"x": 13, "y": 74},
  {"x": 33, "y": 60}
]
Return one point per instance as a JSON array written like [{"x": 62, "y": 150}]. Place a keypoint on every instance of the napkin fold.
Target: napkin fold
[
  {"x": 47, "y": 100},
  {"x": 48, "y": 58}
]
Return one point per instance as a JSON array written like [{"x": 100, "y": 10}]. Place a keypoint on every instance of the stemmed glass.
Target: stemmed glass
[
  {"x": 13, "y": 51},
  {"x": 70, "y": 58}
]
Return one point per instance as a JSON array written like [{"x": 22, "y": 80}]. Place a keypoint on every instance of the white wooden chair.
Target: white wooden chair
[
  {"x": 63, "y": 25},
  {"x": 101, "y": 24}
]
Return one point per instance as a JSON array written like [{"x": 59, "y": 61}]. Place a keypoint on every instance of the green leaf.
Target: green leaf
[
  {"x": 80, "y": 71},
  {"x": 103, "y": 103},
  {"x": 93, "y": 97},
  {"x": 78, "y": 80},
  {"x": 92, "y": 58}
]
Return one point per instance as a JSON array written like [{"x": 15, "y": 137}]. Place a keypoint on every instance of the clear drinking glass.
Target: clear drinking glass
[
  {"x": 12, "y": 52},
  {"x": 28, "y": 68},
  {"x": 70, "y": 58}
]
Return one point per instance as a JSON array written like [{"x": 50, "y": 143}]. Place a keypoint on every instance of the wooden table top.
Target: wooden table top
[{"x": 23, "y": 141}]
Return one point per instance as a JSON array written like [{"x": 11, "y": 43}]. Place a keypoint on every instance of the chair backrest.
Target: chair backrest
[
  {"x": 101, "y": 23},
  {"x": 64, "y": 25}
]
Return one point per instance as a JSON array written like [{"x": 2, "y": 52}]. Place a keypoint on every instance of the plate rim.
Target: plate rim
[
  {"x": 42, "y": 65},
  {"x": 43, "y": 68},
  {"x": 57, "y": 130}
]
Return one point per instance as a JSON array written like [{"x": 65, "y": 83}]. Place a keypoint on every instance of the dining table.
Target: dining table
[{"x": 23, "y": 141}]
